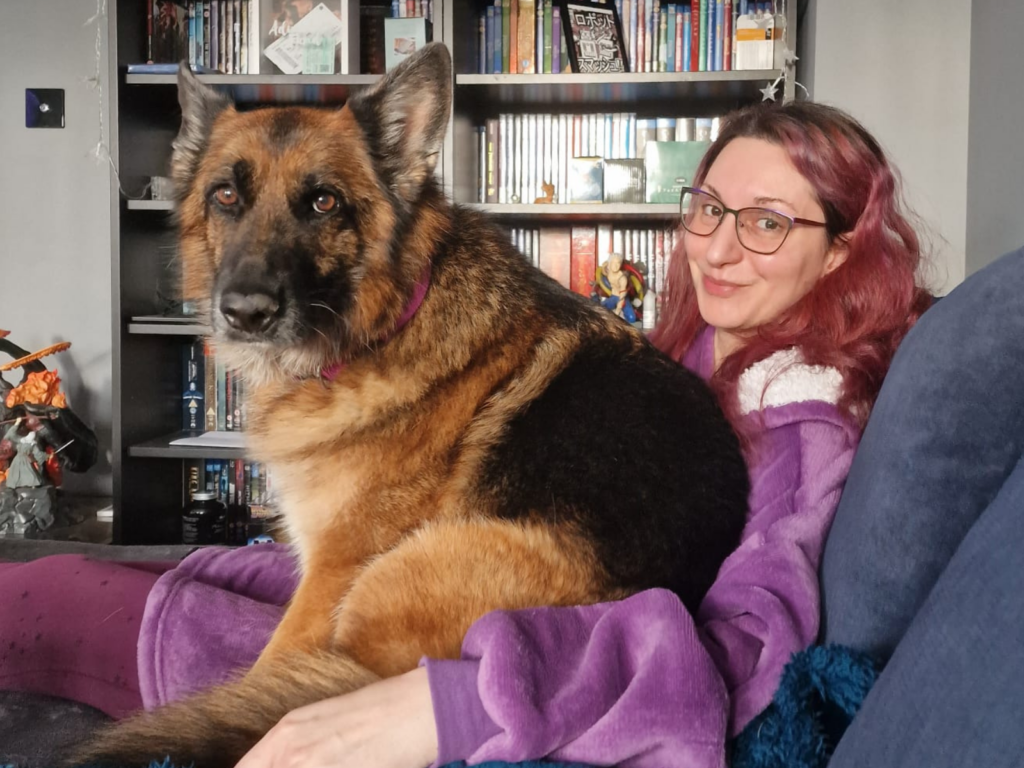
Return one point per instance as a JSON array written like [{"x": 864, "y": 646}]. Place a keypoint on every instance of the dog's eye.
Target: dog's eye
[
  {"x": 325, "y": 202},
  {"x": 226, "y": 196}
]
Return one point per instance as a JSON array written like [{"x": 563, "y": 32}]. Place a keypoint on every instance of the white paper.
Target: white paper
[
  {"x": 286, "y": 52},
  {"x": 219, "y": 439}
]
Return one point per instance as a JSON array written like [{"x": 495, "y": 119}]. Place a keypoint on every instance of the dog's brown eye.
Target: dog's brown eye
[
  {"x": 325, "y": 202},
  {"x": 226, "y": 195}
]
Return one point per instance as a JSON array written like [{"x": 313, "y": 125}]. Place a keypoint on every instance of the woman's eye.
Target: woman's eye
[
  {"x": 767, "y": 224},
  {"x": 325, "y": 202},
  {"x": 226, "y": 196},
  {"x": 712, "y": 210}
]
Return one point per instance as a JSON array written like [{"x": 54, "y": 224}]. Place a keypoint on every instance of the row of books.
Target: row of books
[
  {"x": 532, "y": 158},
  {"x": 244, "y": 487},
  {"x": 274, "y": 36},
  {"x": 213, "y": 398},
  {"x": 216, "y": 35},
  {"x": 571, "y": 255},
  {"x": 526, "y": 36}
]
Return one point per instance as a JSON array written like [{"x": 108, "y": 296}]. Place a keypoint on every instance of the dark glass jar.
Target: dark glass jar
[{"x": 202, "y": 521}]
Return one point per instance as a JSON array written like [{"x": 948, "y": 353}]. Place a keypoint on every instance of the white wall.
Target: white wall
[
  {"x": 903, "y": 69},
  {"x": 995, "y": 179},
  {"x": 54, "y": 209}
]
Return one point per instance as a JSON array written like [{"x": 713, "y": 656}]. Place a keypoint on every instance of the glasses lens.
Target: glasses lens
[
  {"x": 701, "y": 213},
  {"x": 762, "y": 230}
]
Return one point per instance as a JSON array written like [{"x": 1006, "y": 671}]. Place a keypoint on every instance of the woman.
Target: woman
[{"x": 790, "y": 291}]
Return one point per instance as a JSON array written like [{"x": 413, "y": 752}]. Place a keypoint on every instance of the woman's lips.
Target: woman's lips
[{"x": 719, "y": 287}]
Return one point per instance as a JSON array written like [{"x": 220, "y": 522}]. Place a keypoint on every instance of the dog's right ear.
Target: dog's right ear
[
  {"x": 404, "y": 118},
  {"x": 200, "y": 106}
]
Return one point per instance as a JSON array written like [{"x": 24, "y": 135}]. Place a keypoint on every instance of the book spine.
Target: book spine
[
  {"x": 702, "y": 52},
  {"x": 727, "y": 37},
  {"x": 719, "y": 35},
  {"x": 254, "y": 37},
  {"x": 506, "y": 27},
  {"x": 485, "y": 42},
  {"x": 496, "y": 54},
  {"x": 513, "y": 36},
  {"x": 210, "y": 387},
  {"x": 527, "y": 26},
  {"x": 556, "y": 45},
  {"x": 548, "y": 36},
  {"x": 694, "y": 34},
  {"x": 670, "y": 40},
  {"x": 149, "y": 31},
  {"x": 491, "y": 129},
  {"x": 663, "y": 39},
  {"x": 583, "y": 259},
  {"x": 481, "y": 163},
  {"x": 683, "y": 42},
  {"x": 538, "y": 39},
  {"x": 243, "y": 39},
  {"x": 634, "y": 43}
]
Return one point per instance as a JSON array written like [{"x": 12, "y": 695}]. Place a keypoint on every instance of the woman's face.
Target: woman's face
[{"x": 738, "y": 289}]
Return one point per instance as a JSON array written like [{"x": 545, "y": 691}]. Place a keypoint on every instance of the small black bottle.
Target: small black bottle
[{"x": 202, "y": 521}]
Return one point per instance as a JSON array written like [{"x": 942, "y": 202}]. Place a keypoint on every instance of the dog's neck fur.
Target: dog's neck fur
[{"x": 329, "y": 372}]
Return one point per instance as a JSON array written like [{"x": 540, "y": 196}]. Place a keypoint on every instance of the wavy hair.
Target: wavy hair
[{"x": 853, "y": 318}]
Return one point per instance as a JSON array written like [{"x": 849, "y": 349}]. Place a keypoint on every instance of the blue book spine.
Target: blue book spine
[
  {"x": 709, "y": 52},
  {"x": 496, "y": 57},
  {"x": 634, "y": 65},
  {"x": 488, "y": 63},
  {"x": 743, "y": 8},
  {"x": 538, "y": 45},
  {"x": 686, "y": 41}
]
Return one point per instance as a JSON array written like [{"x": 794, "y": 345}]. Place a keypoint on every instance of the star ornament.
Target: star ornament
[
  {"x": 769, "y": 91},
  {"x": 789, "y": 56}
]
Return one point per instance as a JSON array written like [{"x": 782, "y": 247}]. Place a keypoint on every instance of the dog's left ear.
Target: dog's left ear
[
  {"x": 200, "y": 106},
  {"x": 405, "y": 117}
]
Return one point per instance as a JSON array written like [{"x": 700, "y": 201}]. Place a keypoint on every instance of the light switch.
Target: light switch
[{"x": 44, "y": 107}]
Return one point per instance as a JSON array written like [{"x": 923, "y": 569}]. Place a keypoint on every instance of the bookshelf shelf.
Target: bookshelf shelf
[
  {"x": 150, "y": 205},
  {"x": 249, "y": 89},
  {"x": 168, "y": 329},
  {"x": 640, "y": 89},
  {"x": 161, "y": 448},
  {"x": 582, "y": 212}
]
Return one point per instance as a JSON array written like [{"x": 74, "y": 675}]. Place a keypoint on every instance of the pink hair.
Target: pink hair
[{"x": 855, "y": 317}]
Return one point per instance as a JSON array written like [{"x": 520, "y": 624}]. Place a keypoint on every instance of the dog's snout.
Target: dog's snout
[{"x": 250, "y": 312}]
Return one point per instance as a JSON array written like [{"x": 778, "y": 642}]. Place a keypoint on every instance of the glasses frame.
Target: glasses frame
[{"x": 793, "y": 220}]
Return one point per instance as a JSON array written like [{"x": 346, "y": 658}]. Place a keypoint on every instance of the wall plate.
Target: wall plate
[{"x": 44, "y": 107}]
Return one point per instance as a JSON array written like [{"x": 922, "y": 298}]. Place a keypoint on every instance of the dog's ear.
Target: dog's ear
[
  {"x": 405, "y": 117},
  {"x": 200, "y": 106}
]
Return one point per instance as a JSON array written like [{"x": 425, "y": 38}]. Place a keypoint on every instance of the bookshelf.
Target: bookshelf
[{"x": 148, "y": 482}]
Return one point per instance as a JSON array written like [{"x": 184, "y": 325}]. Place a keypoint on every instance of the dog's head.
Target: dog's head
[{"x": 303, "y": 231}]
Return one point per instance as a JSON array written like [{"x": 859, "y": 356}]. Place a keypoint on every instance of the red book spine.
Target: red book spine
[
  {"x": 694, "y": 35},
  {"x": 583, "y": 259}
]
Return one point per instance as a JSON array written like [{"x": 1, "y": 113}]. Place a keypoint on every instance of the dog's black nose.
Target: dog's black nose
[{"x": 250, "y": 312}]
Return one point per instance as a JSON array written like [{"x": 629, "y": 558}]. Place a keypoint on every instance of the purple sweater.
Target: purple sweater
[{"x": 638, "y": 682}]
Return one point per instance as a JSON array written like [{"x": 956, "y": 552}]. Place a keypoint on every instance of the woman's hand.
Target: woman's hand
[{"x": 389, "y": 724}]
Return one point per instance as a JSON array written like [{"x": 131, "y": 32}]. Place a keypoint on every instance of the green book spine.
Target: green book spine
[
  {"x": 702, "y": 55},
  {"x": 547, "y": 36},
  {"x": 506, "y": 28}
]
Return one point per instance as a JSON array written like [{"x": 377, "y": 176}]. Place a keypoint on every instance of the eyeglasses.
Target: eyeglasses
[{"x": 760, "y": 230}]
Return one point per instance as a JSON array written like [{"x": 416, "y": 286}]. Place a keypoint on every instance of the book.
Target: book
[
  {"x": 586, "y": 180},
  {"x": 624, "y": 180},
  {"x": 169, "y": 40},
  {"x": 554, "y": 257},
  {"x": 403, "y": 37},
  {"x": 583, "y": 259},
  {"x": 670, "y": 166}
]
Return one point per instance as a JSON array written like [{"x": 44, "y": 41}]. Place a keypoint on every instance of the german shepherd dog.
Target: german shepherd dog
[{"x": 507, "y": 444}]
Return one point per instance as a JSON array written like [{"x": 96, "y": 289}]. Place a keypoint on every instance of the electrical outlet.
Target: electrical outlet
[{"x": 44, "y": 107}]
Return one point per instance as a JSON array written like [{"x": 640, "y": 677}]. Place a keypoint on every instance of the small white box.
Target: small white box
[{"x": 402, "y": 38}]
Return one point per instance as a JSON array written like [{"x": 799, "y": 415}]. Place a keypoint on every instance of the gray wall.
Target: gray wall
[
  {"x": 903, "y": 70},
  {"x": 995, "y": 155},
  {"x": 54, "y": 209}
]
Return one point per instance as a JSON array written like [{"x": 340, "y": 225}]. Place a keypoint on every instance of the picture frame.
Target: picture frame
[{"x": 593, "y": 37}]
